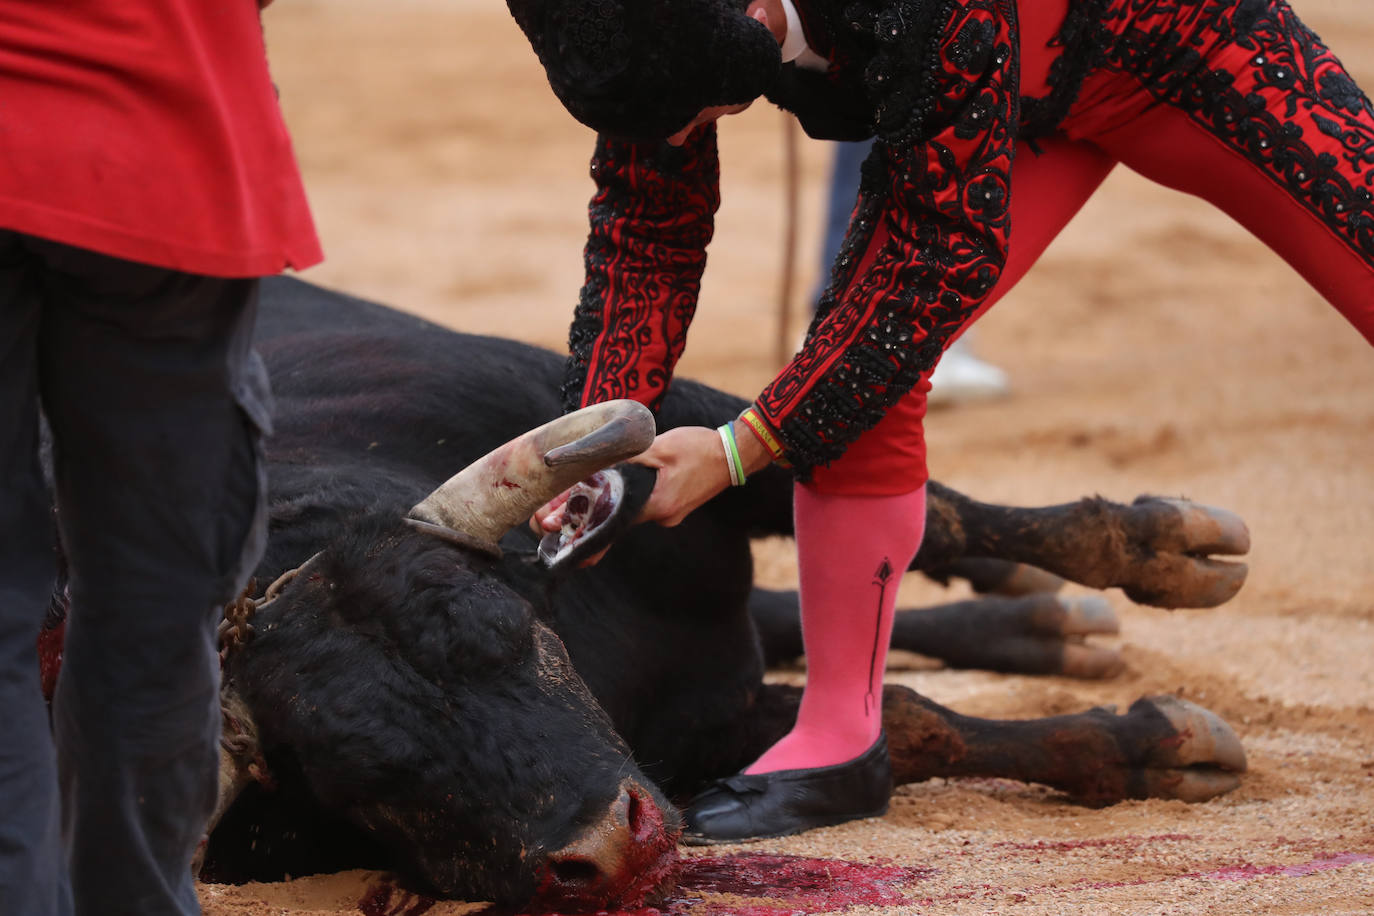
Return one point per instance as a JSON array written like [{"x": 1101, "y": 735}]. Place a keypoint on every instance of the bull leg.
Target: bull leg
[
  {"x": 991, "y": 576},
  {"x": 1159, "y": 551},
  {"x": 777, "y": 619},
  {"x": 1163, "y": 747},
  {"x": 1034, "y": 634}
]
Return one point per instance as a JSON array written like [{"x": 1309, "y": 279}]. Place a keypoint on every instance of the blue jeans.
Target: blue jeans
[
  {"x": 840, "y": 198},
  {"x": 156, "y": 404}
]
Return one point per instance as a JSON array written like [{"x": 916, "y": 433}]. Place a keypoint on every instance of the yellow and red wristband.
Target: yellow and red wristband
[{"x": 764, "y": 433}]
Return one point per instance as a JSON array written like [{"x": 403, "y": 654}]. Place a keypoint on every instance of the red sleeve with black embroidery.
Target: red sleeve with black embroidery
[
  {"x": 928, "y": 238},
  {"x": 651, "y": 218}
]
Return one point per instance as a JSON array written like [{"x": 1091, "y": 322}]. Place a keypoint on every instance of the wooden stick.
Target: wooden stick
[{"x": 784, "y": 345}]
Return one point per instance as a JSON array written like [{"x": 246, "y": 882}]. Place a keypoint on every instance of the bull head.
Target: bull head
[{"x": 480, "y": 625}]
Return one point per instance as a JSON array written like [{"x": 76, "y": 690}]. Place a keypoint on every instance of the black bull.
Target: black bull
[{"x": 498, "y": 735}]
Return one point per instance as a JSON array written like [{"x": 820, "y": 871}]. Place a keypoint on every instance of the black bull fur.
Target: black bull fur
[{"x": 416, "y": 704}]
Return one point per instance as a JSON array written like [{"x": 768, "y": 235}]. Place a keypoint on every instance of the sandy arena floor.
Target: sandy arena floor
[{"x": 1156, "y": 348}]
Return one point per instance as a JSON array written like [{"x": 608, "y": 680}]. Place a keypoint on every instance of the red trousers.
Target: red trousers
[{"x": 1243, "y": 107}]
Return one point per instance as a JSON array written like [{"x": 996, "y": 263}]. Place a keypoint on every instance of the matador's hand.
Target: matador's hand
[{"x": 691, "y": 466}]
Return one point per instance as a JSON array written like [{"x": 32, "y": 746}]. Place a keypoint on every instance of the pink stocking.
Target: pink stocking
[{"x": 852, "y": 552}]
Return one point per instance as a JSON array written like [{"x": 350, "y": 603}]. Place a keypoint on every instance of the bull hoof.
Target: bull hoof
[
  {"x": 1036, "y": 634},
  {"x": 1190, "y": 786},
  {"x": 1200, "y": 760},
  {"x": 1029, "y": 580},
  {"x": 1088, "y": 616},
  {"x": 996, "y": 576},
  {"x": 1203, "y": 738},
  {"x": 1181, "y": 539}
]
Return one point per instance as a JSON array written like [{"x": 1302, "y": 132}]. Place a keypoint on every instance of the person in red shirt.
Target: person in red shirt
[
  {"x": 989, "y": 116},
  {"x": 146, "y": 181}
]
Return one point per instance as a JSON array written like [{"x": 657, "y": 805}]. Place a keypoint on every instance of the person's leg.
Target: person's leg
[
  {"x": 1051, "y": 181},
  {"x": 851, "y": 552},
  {"x": 851, "y": 517},
  {"x": 32, "y": 866},
  {"x": 155, "y": 405},
  {"x": 1048, "y": 188},
  {"x": 859, "y": 522},
  {"x": 1259, "y": 118}
]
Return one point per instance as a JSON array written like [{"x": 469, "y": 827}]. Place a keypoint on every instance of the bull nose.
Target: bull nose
[{"x": 619, "y": 861}]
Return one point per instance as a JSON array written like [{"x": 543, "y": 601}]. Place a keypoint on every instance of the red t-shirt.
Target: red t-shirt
[{"x": 149, "y": 130}]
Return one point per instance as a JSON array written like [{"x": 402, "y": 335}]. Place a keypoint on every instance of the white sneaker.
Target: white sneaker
[{"x": 962, "y": 377}]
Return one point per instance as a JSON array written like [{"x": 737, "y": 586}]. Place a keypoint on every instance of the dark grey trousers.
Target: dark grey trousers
[{"x": 156, "y": 404}]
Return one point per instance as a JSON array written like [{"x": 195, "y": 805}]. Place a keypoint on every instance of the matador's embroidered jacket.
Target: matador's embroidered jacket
[{"x": 936, "y": 82}]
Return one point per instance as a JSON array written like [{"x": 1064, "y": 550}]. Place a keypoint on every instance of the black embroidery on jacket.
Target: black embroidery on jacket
[
  {"x": 651, "y": 219},
  {"x": 939, "y": 184}
]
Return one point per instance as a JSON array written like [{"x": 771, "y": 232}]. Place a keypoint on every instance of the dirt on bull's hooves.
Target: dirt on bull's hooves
[{"x": 1156, "y": 348}]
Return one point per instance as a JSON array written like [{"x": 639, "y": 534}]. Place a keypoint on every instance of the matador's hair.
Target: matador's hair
[{"x": 642, "y": 69}]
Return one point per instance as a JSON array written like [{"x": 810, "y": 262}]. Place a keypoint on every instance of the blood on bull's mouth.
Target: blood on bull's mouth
[
  {"x": 627, "y": 859},
  {"x": 591, "y": 504}
]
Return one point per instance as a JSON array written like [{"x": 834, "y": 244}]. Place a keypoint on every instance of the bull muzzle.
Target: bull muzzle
[{"x": 627, "y": 859}]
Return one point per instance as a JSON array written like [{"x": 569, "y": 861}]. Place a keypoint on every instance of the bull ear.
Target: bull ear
[{"x": 501, "y": 490}]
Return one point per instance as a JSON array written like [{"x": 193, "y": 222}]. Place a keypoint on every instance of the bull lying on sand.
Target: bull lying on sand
[{"x": 417, "y": 697}]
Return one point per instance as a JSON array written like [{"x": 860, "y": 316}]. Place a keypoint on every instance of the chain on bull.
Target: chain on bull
[{"x": 236, "y": 628}]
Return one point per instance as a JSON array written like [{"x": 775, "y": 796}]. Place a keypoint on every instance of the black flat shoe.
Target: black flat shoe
[{"x": 759, "y": 806}]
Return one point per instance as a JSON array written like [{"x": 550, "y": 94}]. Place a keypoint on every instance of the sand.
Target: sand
[{"x": 1156, "y": 348}]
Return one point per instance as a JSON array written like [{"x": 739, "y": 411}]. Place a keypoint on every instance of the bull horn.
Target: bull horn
[{"x": 495, "y": 493}]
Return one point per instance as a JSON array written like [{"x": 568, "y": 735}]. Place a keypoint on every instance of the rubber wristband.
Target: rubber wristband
[
  {"x": 729, "y": 463},
  {"x": 732, "y": 459}
]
